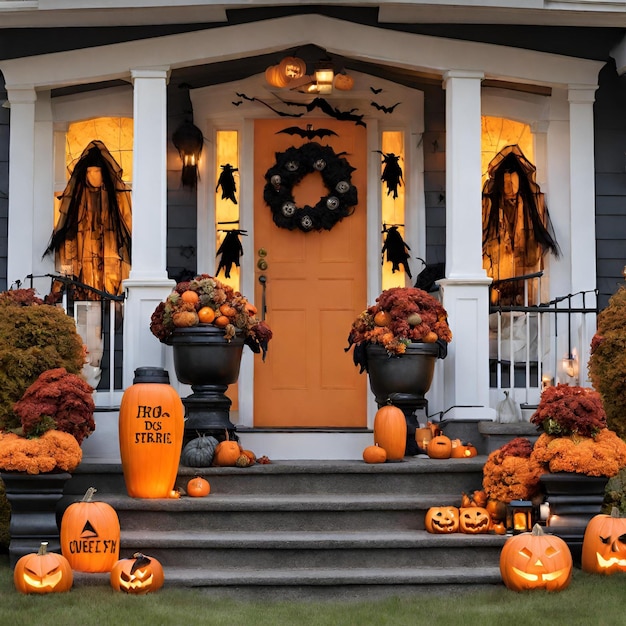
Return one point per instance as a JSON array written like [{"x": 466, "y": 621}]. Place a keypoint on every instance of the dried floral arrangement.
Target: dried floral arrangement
[
  {"x": 53, "y": 451},
  {"x": 401, "y": 315},
  {"x": 511, "y": 473},
  {"x": 206, "y": 300},
  {"x": 607, "y": 363}
]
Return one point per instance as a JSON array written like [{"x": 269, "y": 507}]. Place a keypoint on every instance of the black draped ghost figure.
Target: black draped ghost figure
[
  {"x": 392, "y": 173},
  {"x": 397, "y": 250},
  {"x": 227, "y": 182},
  {"x": 231, "y": 250}
]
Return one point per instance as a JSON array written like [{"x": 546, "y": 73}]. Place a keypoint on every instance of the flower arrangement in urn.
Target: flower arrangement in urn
[
  {"x": 46, "y": 407},
  {"x": 206, "y": 300},
  {"x": 401, "y": 316}
]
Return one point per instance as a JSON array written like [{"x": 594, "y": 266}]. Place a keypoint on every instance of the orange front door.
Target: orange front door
[{"x": 315, "y": 287}]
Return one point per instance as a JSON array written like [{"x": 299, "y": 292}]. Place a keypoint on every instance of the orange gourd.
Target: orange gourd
[
  {"x": 90, "y": 535},
  {"x": 390, "y": 431},
  {"x": 151, "y": 428},
  {"x": 439, "y": 447},
  {"x": 344, "y": 82},
  {"x": 536, "y": 560},
  {"x": 227, "y": 453},
  {"x": 198, "y": 487},
  {"x": 137, "y": 575},
  {"x": 43, "y": 572},
  {"x": 442, "y": 520},
  {"x": 604, "y": 544},
  {"x": 206, "y": 315},
  {"x": 374, "y": 454}
]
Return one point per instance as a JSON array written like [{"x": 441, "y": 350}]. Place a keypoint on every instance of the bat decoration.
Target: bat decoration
[
  {"x": 392, "y": 173},
  {"x": 227, "y": 182},
  {"x": 431, "y": 273},
  {"x": 271, "y": 108},
  {"x": 383, "y": 108},
  {"x": 375, "y": 91},
  {"x": 237, "y": 103},
  {"x": 397, "y": 250},
  {"x": 308, "y": 133},
  {"x": 325, "y": 107},
  {"x": 231, "y": 250}
]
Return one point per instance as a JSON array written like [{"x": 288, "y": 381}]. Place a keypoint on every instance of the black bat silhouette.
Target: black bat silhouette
[
  {"x": 328, "y": 109},
  {"x": 308, "y": 133},
  {"x": 237, "y": 103},
  {"x": 271, "y": 108},
  {"x": 383, "y": 108},
  {"x": 375, "y": 91}
]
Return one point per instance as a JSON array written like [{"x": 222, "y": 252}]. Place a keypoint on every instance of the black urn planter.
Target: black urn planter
[
  {"x": 33, "y": 499},
  {"x": 403, "y": 380},
  {"x": 206, "y": 360},
  {"x": 574, "y": 499}
]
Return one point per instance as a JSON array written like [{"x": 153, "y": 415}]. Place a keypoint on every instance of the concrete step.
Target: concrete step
[{"x": 320, "y": 549}]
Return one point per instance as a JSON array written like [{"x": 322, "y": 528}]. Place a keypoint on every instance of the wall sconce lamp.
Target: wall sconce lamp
[
  {"x": 188, "y": 140},
  {"x": 324, "y": 75}
]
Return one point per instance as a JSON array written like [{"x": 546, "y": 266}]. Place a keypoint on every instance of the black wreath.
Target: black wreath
[{"x": 290, "y": 168}]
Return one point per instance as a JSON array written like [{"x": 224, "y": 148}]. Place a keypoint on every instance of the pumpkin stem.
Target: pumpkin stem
[
  {"x": 43, "y": 548},
  {"x": 89, "y": 494},
  {"x": 537, "y": 531},
  {"x": 615, "y": 512}
]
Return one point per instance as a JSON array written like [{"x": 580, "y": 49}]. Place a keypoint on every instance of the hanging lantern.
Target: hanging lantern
[{"x": 188, "y": 140}]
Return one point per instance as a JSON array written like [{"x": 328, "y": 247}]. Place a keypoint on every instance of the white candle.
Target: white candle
[{"x": 544, "y": 511}]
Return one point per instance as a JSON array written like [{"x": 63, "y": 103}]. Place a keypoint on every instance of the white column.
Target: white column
[
  {"x": 148, "y": 283},
  {"x": 465, "y": 288},
  {"x": 21, "y": 183}
]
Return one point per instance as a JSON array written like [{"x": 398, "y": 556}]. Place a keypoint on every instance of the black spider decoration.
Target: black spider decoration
[
  {"x": 231, "y": 250},
  {"x": 397, "y": 250},
  {"x": 227, "y": 182},
  {"x": 392, "y": 173}
]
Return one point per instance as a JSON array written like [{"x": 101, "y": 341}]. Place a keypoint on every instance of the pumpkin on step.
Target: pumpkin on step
[
  {"x": 474, "y": 520},
  {"x": 43, "y": 572},
  {"x": 604, "y": 544},
  {"x": 137, "y": 575},
  {"x": 199, "y": 452},
  {"x": 442, "y": 519},
  {"x": 198, "y": 487},
  {"x": 439, "y": 447},
  {"x": 390, "y": 431},
  {"x": 227, "y": 453},
  {"x": 374, "y": 454}
]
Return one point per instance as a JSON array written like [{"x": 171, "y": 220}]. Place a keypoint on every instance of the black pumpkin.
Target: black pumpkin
[{"x": 199, "y": 451}]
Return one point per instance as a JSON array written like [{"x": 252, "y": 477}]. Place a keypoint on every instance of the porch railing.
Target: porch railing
[
  {"x": 532, "y": 343},
  {"x": 99, "y": 317}
]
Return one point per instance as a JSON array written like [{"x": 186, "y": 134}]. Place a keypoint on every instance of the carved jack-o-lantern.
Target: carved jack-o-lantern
[
  {"x": 604, "y": 544},
  {"x": 43, "y": 572},
  {"x": 137, "y": 575},
  {"x": 442, "y": 519},
  {"x": 439, "y": 447},
  {"x": 536, "y": 560},
  {"x": 474, "y": 520}
]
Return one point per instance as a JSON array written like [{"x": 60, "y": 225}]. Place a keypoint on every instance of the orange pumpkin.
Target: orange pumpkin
[
  {"x": 227, "y": 453},
  {"x": 439, "y": 447},
  {"x": 374, "y": 454},
  {"x": 206, "y": 315},
  {"x": 190, "y": 297},
  {"x": 604, "y": 544},
  {"x": 497, "y": 510},
  {"x": 90, "y": 535},
  {"x": 390, "y": 431},
  {"x": 474, "y": 520},
  {"x": 137, "y": 575},
  {"x": 382, "y": 318},
  {"x": 151, "y": 428},
  {"x": 292, "y": 68},
  {"x": 275, "y": 77},
  {"x": 43, "y": 572},
  {"x": 442, "y": 519},
  {"x": 227, "y": 310},
  {"x": 198, "y": 487},
  {"x": 221, "y": 321},
  {"x": 344, "y": 82},
  {"x": 535, "y": 560}
]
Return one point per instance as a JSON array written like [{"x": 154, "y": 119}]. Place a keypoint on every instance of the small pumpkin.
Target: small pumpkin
[
  {"x": 190, "y": 296},
  {"x": 344, "y": 82},
  {"x": 199, "y": 452},
  {"x": 474, "y": 520},
  {"x": 497, "y": 510},
  {"x": 198, "y": 487},
  {"x": 442, "y": 519},
  {"x": 43, "y": 572},
  {"x": 226, "y": 453},
  {"x": 439, "y": 447},
  {"x": 243, "y": 461},
  {"x": 250, "y": 455},
  {"x": 604, "y": 544},
  {"x": 137, "y": 575},
  {"x": 536, "y": 560},
  {"x": 90, "y": 535},
  {"x": 382, "y": 318},
  {"x": 185, "y": 319},
  {"x": 390, "y": 431},
  {"x": 462, "y": 451},
  {"x": 374, "y": 454},
  {"x": 292, "y": 68},
  {"x": 206, "y": 315}
]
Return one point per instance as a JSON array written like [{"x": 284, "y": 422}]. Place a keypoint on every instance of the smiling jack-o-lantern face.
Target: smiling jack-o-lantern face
[
  {"x": 474, "y": 520},
  {"x": 43, "y": 572},
  {"x": 442, "y": 519},
  {"x": 535, "y": 560},
  {"x": 137, "y": 575},
  {"x": 604, "y": 544}
]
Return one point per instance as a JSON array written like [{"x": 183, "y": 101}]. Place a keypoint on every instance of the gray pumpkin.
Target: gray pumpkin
[{"x": 199, "y": 452}]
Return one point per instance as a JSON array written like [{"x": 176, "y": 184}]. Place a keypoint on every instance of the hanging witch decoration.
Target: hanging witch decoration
[
  {"x": 92, "y": 237},
  {"x": 392, "y": 173},
  {"x": 227, "y": 182},
  {"x": 231, "y": 251},
  {"x": 517, "y": 231},
  {"x": 397, "y": 250}
]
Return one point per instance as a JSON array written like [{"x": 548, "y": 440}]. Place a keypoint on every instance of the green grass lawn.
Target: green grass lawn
[{"x": 589, "y": 601}]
